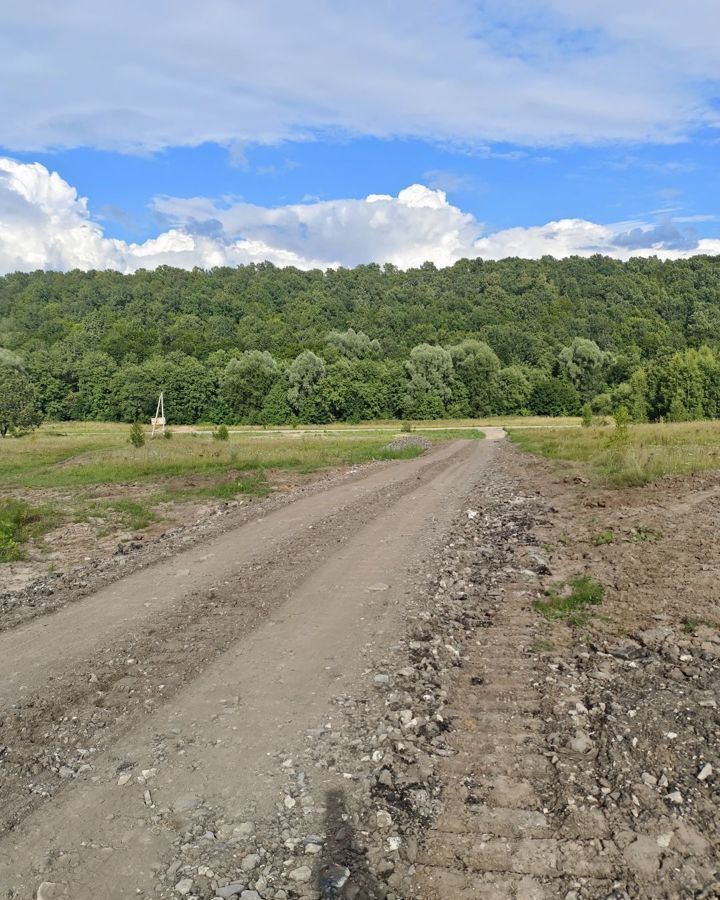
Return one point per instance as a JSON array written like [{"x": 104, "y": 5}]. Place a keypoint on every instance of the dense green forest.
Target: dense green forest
[{"x": 259, "y": 344}]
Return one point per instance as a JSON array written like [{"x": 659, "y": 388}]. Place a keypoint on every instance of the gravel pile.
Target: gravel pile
[{"x": 400, "y": 443}]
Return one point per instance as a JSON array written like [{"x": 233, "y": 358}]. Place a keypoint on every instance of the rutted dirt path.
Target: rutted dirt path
[
  {"x": 369, "y": 706},
  {"x": 268, "y": 623},
  {"x": 29, "y": 653}
]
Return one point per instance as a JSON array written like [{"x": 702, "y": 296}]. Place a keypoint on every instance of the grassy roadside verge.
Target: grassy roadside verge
[
  {"x": 91, "y": 474},
  {"x": 108, "y": 459},
  {"x": 19, "y": 522},
  {"x": 647, "y": 453}
]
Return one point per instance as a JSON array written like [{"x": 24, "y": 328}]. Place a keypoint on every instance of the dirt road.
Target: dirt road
[
  {"x": 171, "y": 690},
  {"x": 355, "y": 696}
]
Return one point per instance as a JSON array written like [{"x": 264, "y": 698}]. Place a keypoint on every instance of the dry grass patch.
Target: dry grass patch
[{"x": 649, "y": 452}]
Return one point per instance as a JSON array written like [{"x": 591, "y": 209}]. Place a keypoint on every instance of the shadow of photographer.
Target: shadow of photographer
[{"x": 344, "y": 872}]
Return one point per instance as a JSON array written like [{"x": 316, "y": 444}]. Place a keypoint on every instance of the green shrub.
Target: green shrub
[
  {"x": 221, "y": 433},
  {"x": 621, "y": 435},
  {"x": 137, "y": 436},
  {"x": 554, "y": 397}
]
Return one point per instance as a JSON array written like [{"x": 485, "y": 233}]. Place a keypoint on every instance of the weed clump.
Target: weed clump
[
  {"x": 603, "y": 537},
  {"x": 18, "y": 522},
  {"x": 570, "y": 602},
  {"x": 644, "y": 533},
  {"x": 221, "y": 433}
]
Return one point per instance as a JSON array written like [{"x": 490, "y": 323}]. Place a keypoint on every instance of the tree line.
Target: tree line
[{"x": 263, "y": 345}]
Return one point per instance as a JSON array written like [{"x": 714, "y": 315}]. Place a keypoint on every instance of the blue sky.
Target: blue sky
[
  {"x": 519, "y": 186},
  {"x": 234, "y": 132}
]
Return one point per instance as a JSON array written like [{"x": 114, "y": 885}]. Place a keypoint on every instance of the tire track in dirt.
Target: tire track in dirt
[
  {"x": 32, "y": 653},
  {"x": 93, "y": 698},
  {"x": 313, "y": 592},
  {"x": 496, "y": 839}
]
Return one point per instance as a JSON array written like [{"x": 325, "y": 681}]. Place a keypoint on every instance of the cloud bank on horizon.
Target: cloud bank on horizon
[{"x": 44, "y": 224}]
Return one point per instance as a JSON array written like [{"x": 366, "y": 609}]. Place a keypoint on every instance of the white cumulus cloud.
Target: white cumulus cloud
[
  {"x": 417, "y": 225},
  {"x": 44, "y": 224}
]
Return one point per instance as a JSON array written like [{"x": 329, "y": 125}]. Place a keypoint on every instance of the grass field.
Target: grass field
[
  {"x": 89, "y": 472},
  {"x": 649, "y": 451},
  {"x": 50, "y": 459}
]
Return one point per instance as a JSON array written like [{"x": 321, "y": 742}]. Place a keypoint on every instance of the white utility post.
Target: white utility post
[{"x": 159, "y": 419}]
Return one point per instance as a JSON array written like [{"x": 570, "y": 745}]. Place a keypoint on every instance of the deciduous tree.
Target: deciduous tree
[{"x": 18, "y": 402}]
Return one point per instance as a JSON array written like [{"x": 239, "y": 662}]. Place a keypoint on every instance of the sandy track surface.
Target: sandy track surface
[{"x": 198, "y": 669}]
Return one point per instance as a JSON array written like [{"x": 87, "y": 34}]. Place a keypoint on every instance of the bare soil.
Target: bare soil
[
  {"x": 349, "y": 693},
  {"x": 585, "y": 760},
  {"x": 75, "y": 546}
]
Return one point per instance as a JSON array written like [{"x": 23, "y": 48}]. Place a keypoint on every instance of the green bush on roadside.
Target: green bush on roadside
[{"x": 137, "y": 437}]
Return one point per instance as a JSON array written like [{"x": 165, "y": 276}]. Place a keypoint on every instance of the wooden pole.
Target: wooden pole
[{"x": 159, "y": 417}]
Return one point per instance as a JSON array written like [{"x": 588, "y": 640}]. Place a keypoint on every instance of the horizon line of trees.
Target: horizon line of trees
[
  {"x": 262, "y": 345},
  {"x": 354, "y": 382}
]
